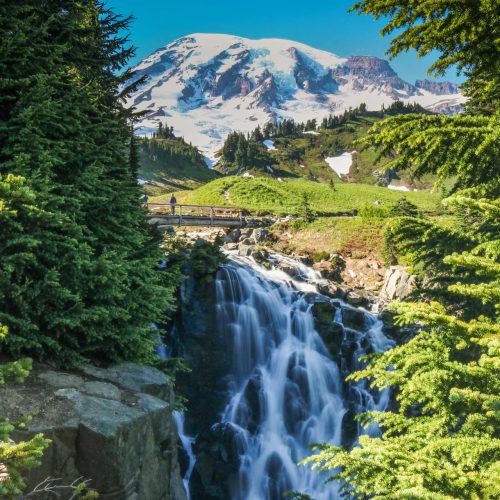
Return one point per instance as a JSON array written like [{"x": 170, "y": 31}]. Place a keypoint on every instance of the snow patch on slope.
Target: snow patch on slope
[{"x": 340, "y": 164}]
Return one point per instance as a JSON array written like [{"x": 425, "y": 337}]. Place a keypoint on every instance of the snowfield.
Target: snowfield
[
  {"x": 340, "y": 164},
  {"x": 398, "y": 188}
]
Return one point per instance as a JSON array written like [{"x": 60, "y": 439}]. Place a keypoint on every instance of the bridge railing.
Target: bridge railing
[{"x": 209, "y": 212}]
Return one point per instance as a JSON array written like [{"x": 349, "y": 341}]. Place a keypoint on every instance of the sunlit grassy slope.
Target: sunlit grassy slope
[{"x": 270, "y": 196}]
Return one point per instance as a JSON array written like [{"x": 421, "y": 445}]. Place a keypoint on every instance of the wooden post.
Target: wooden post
[
  {"x": 180, "y": 215},
  {"x": 241, "y": 217},
  {"x": 211, "y": 216}
]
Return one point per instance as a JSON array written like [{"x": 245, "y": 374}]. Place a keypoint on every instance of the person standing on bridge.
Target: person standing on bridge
[{"x": 173, "y": 201}]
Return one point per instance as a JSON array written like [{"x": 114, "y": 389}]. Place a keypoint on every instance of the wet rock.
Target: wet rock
[
  {"x": 231, "y": 246},
  {"x": 304, "y": 259},
  {"x": 217, "y": 461},
  {"x": 288, "y": 268},
  {"x": 333, "y": 337},
  {"x": 329, "y": 289},
  {"x": 233, "y": 236},
  {"x": 259, "y": 255},
  {"x": 324, "y": 313},
  {"x": 353, "y": 318},
  {"x": 326, "y": 269},
  {"x": 245, "y": 250},
  {"x": 349, "y": 429},
  {"x": 250, "y": 408},
  {"x": 357, "y": 298},
  {"x": 259, "y": 235}
]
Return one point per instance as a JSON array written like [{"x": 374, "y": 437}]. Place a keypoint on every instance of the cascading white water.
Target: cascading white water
[
  {"x": 285, "y": 390},
  {"x": 187, "y": 444}
]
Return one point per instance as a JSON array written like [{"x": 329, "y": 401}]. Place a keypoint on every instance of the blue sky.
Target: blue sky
[{"x": 323, "y": 24}]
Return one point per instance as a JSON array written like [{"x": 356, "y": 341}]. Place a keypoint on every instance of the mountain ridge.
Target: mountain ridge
[{"x": 208, "y": 85}]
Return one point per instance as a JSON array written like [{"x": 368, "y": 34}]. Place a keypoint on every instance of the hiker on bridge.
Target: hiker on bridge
[
  {"x": 145, "y": 200},
  {"x": 173, "y": 202}
]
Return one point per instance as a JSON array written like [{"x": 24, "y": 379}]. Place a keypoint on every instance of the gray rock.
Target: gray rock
[
  {"x": 356, "y": 299},
  {"x": 245, "y": 233},
  {"x": 398, "y": 284},
  {"x": 245, "y": 250},
  {"x": 288, "y": 269},
  {"x": 133, "y": 377},
  {"x": 327, "y": 288},
  {"x": 259, "y": 235},
  {"x": 68, "y": 393},
  {"x": 102, "y": 390},
  {"x": 123, "y": 441},
  {"x": 233, "y": 236},
  {"x": 61, "y": 379},
  {"x": 231, "y": 246},
  {"x": 259, "y": 255}
]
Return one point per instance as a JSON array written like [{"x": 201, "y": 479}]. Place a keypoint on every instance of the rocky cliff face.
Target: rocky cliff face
[
  {"x": 111, "y": 426},
  {"x": 438, "y": 88},
  {"x": 209, "y": 85}
]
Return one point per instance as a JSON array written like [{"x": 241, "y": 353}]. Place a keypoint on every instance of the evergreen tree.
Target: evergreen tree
[
  {"x": 15, "y": 457},
  {"x": 443, "y": 440},
  {"x": 404, "y": 208},
  {"x": 133, "y": 157},
  {"x": 82, "y": 282},
  {"x": 466, "y": 145}
]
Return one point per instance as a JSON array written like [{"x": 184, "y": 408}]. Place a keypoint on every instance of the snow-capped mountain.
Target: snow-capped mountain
[{"x": 207, "y": 85}]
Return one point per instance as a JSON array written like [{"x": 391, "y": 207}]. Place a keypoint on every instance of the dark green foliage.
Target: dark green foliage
[
  {"x": 307, "y": 213},
  {"x": 240, "y": 152},
  {"x": 204, "y": 259},
  {"x": 168, "y": 159},
  {"x": 424, "y": 244},
  {"x": 78, "y": 264},
  {"x": 404, "y": 208},
  {"x": 465, "y": 34},
  {"x": 164, "y": 132},
  {"x": 461, "y": 146},
  {"x": 396, "y": 108}
]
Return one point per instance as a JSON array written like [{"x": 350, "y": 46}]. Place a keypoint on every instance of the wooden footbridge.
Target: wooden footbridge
[{"x": 195, "y": 215}]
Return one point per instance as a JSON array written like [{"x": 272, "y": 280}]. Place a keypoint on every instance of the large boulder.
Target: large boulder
[
  {"x": 398, "y": 284},
  {"x": 259, "y": 235},
  {"x": 111, "y": 426}
]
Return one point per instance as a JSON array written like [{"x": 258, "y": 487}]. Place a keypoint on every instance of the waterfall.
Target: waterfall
[
  {"x": 285, "y": 390},
  {"x": 187, "y": 444}
]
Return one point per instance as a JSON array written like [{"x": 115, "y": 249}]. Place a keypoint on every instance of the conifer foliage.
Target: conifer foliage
[
  {"x": 16, "y": 457},
  {"x": 78, "y": 262},
  {"x": 441, "y": 440},
  {"x": 465, "y": 146}
]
